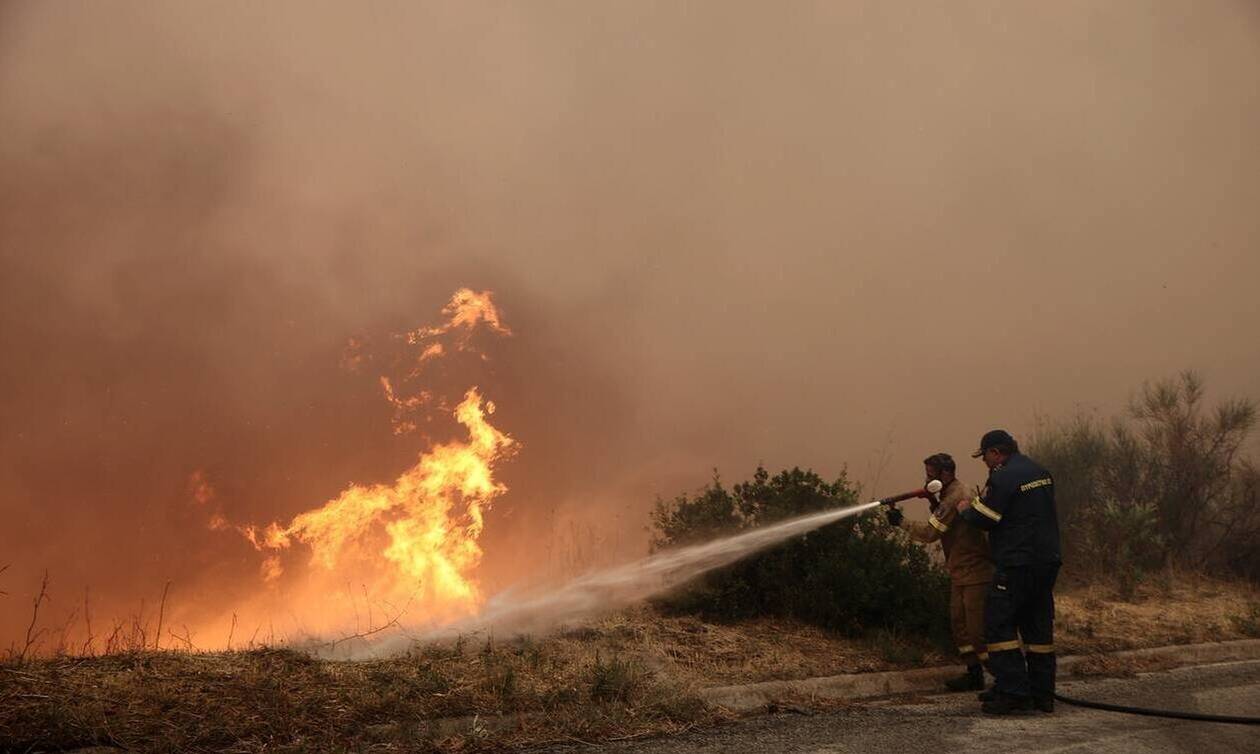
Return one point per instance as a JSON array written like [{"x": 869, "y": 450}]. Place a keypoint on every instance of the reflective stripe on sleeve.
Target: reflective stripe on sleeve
[
  {"x": 1002, "y": 646},
  {"x": 985, "y": 510},
  {"x": 1041, "y": 649},
  {"x": 936, "y": 524},
  {"x": 964, "y": 649}
]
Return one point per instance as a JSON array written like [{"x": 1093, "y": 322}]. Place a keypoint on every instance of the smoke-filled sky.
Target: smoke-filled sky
[{"x": 817, "y": 234}]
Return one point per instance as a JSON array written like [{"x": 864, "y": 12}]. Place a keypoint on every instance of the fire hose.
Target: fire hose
[
  {"x": 1149, "y": 712},
  {"x": 934, "y": 487}
]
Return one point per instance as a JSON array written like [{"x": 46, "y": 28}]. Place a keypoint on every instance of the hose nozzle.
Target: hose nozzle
[{"x": 932, "y": 488}]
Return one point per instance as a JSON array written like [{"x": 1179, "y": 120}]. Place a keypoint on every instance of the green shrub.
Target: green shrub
[
  {"x": 1125, "y": 541},
  {"x": 854, "y": 576},
  {"x": 1167, "y": 481}
]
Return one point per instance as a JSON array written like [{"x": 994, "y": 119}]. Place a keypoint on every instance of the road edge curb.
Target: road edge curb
[{"x": 753, "y": 696}]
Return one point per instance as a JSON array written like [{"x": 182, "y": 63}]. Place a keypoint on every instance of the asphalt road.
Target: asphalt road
[{"x": 954, "y": 722}]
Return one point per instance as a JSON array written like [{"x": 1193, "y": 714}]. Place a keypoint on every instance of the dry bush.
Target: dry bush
[
  {"x": 616, "y": 680},
  {"x": 1165, "y": 484},
  {"x": 1247, "y": 621}
]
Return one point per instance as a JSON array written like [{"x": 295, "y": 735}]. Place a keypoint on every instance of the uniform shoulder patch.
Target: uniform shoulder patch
[{"x": 1035, "y": 484}]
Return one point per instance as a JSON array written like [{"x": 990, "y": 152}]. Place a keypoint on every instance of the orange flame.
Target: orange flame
[
  {"x": 404, "y": 406},
  {"x": 431, "y": 516},
  {"x": 412, "y": 543},
  {"x": 466, "y": 309},
  {"x": 465, "y": 312}
]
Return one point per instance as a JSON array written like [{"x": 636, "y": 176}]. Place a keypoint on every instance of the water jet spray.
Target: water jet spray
[{"x": 538, "y": 610}]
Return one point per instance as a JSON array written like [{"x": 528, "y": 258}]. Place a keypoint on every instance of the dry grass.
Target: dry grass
[
  {"x": 454, "y": 698},
  {"x": 1115, "y": 665},
  {"x": 712, "y": 654},
  {"x": 627, "y": 675},
  {"x": 1173, "y": 608}
]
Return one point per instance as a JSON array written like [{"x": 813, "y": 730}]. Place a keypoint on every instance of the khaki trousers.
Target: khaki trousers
[{"x": 966, "y": 618}]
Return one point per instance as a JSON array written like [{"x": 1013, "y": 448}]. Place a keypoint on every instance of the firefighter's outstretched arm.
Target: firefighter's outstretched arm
[{"x": 925, "y": 533}]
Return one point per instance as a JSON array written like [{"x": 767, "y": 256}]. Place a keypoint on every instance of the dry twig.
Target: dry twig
[
  {"x": 393, "y": 623},
  {"x": 157, "y": 636},
  {"x": 32, "y": 635},
  {"x": 87, "y": 618}
]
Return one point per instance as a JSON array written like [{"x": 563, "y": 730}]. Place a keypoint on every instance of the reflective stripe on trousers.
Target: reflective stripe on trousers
[{"x": 1020, "y": 604}]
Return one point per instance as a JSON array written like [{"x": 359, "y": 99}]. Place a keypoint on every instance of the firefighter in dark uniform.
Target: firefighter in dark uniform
[{"x": 1017, "y": 509}]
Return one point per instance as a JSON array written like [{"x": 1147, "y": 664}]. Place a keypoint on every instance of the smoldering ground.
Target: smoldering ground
[{"x": 723, "y": 233}]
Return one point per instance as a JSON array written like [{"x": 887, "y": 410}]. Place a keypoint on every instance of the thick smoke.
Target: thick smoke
[{"x": 723, "y": 233}]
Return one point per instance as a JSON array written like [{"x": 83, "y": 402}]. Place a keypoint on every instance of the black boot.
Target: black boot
[
  {"x": 1043, "y": 703},
  {"x": 972, "y": 680},
  {"x": 988, "y": 694},
  {"x": 1005, "y": 704}
]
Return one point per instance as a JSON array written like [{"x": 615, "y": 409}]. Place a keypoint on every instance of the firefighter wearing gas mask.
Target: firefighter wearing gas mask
[{"x": 966, "y": 550}]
